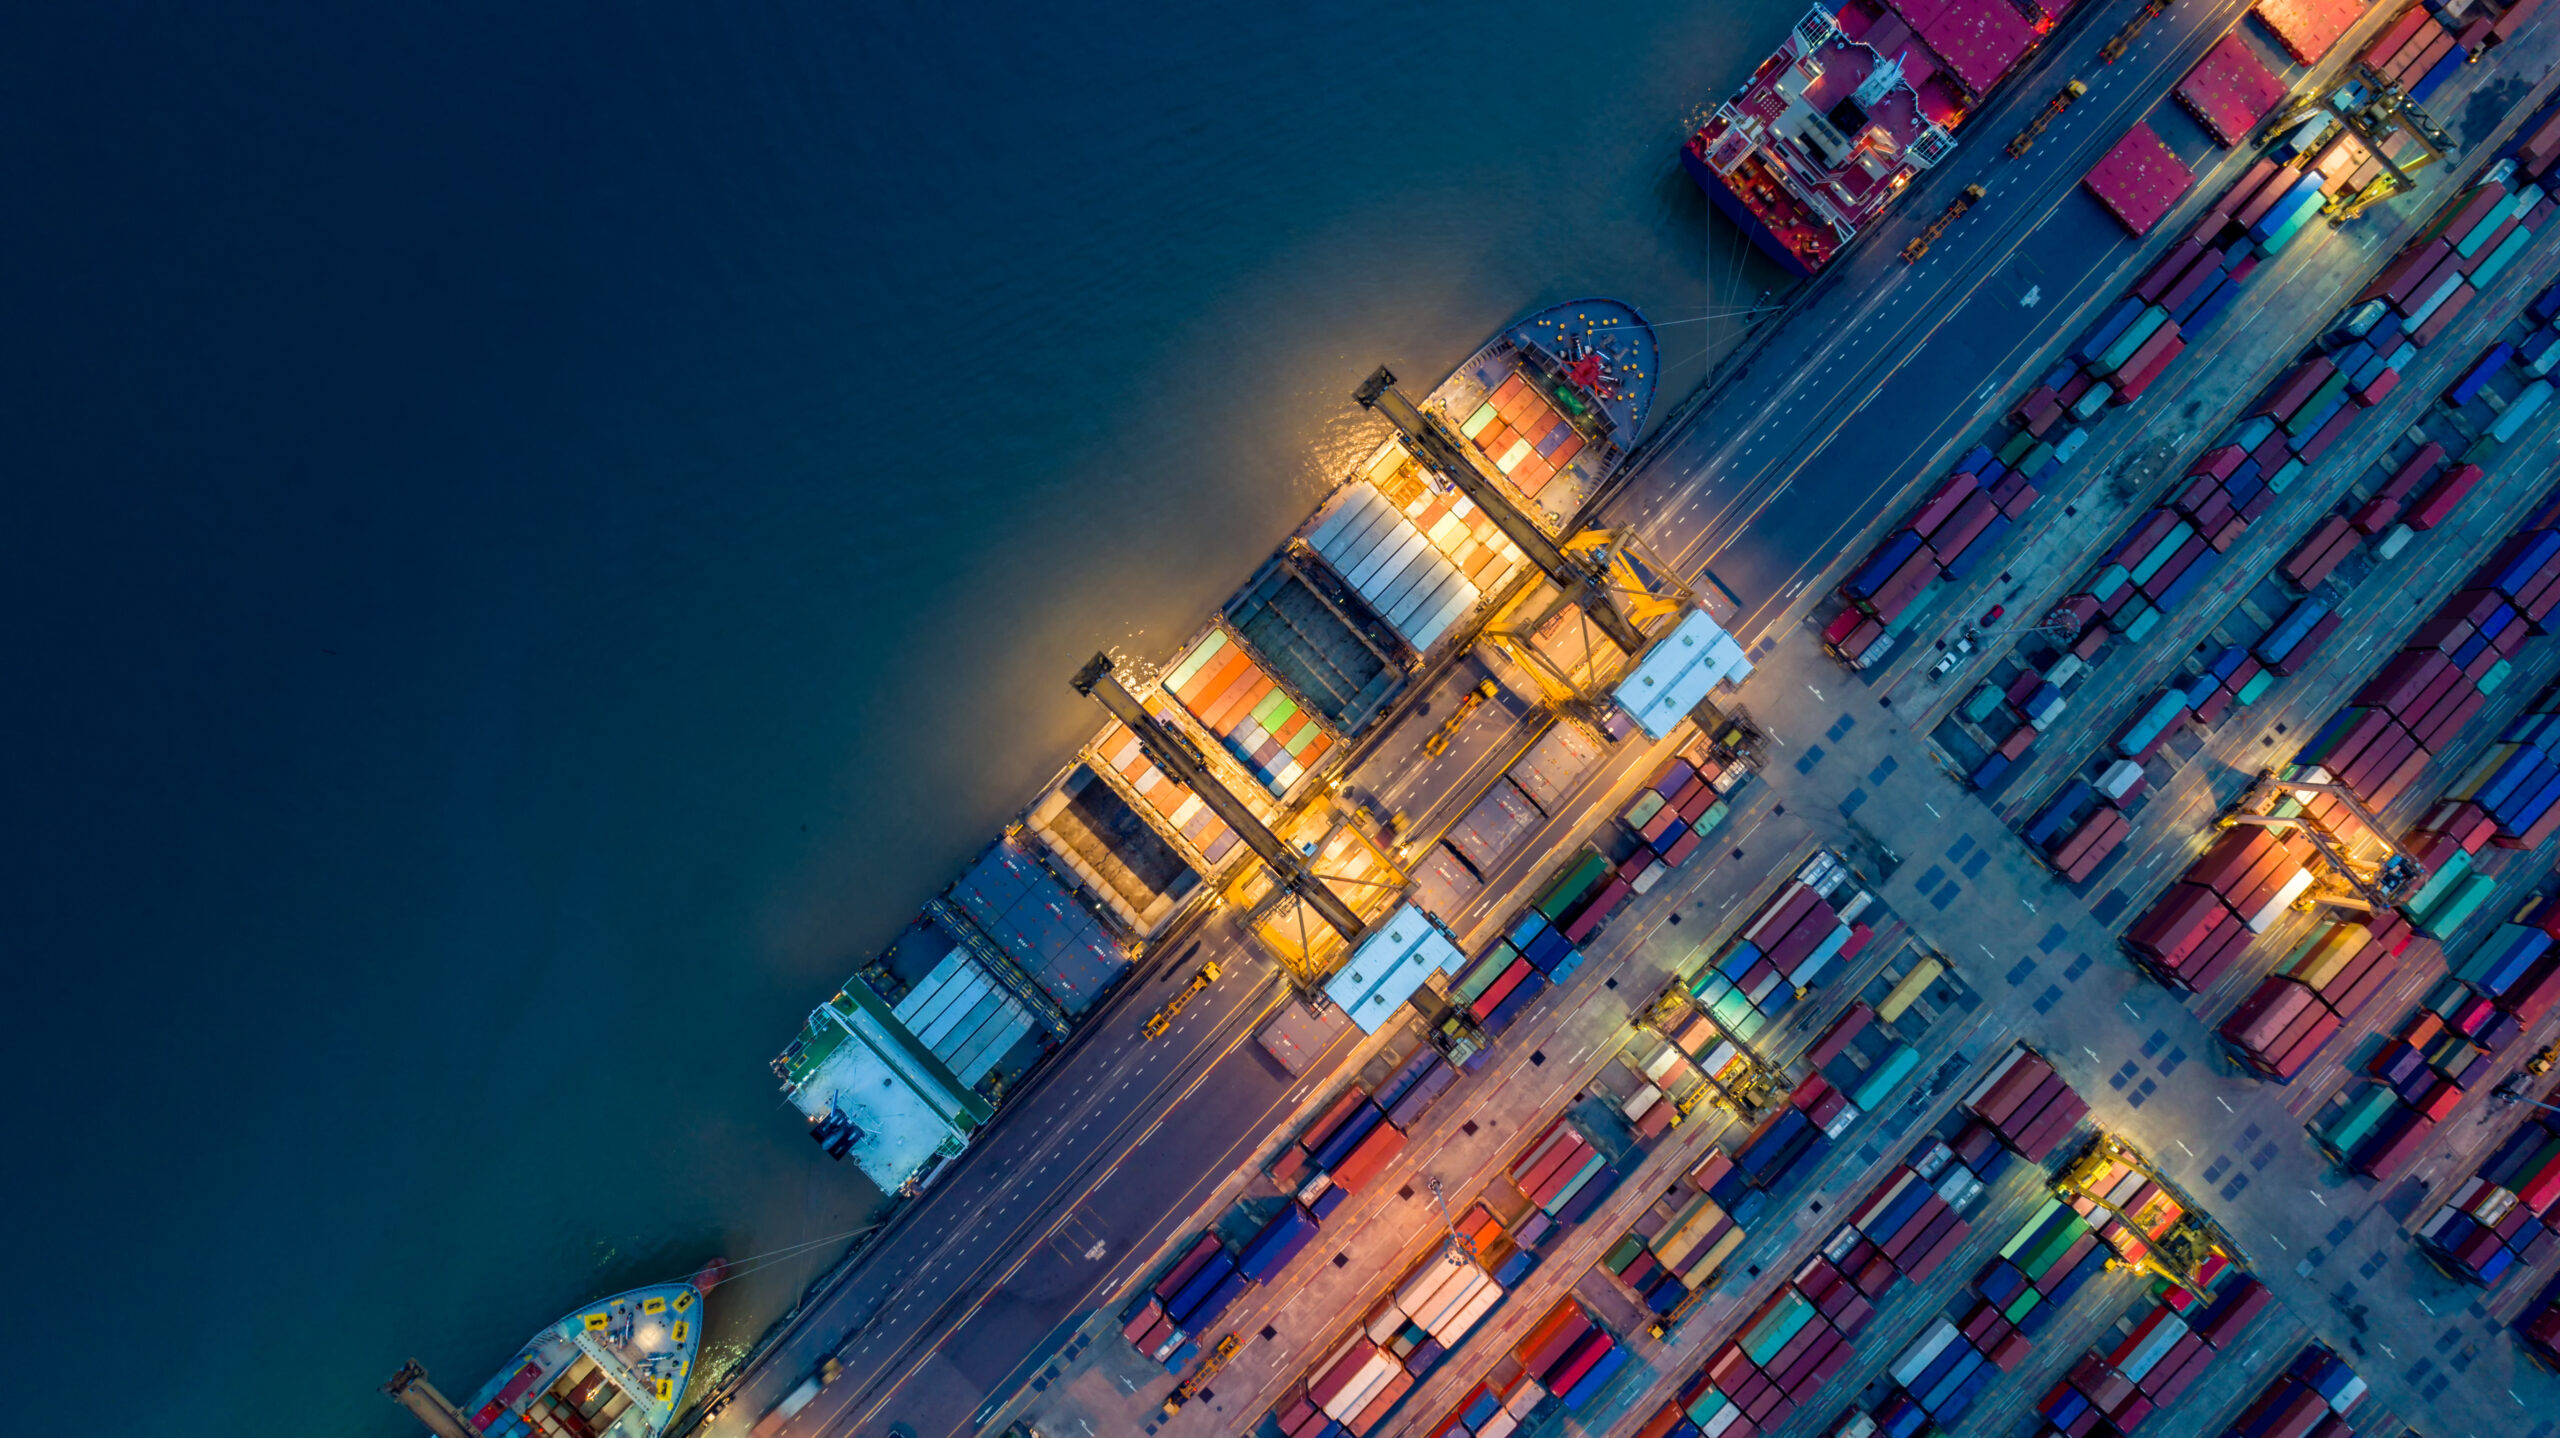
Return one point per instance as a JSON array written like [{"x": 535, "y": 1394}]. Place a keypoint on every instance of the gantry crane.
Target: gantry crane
[
  {"x": 1587, "y": 567},
  {"x": 2387, "y": 111},
  {"x": 2182, "y": 1251},
  {"x": 2366, "y": 885},
  {"x": 1184, "y": 765}
]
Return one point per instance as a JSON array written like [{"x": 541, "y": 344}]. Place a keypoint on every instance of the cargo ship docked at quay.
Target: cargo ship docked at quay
[
  {"x": 616, "y": 1368},
  {"x": 1397, "y": 571},
  {"x": 1830, "y": 130}
]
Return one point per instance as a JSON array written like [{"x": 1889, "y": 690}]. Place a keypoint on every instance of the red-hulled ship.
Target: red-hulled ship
[{"x": 1861, "y": 97}]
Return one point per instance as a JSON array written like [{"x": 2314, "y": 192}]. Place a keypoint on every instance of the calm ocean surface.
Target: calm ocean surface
[{"x": 537, "y": 535}]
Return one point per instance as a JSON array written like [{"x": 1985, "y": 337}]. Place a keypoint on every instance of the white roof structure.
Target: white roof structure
[
  {"x": 1388, "y": 964},
  {"x": 1683, "y": 667}
]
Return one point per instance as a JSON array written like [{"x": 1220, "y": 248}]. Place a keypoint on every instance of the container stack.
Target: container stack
[
  {"x": 1783, "y": 1353},
  {"x": 1859, "y": 1058},
  {"x": 2471, "y": 240},
  {"x": 2297, "y": 420},
  {"x": 1570, "y": 1356},
  {"x": 1357, "y": 1387},
  {"x": 2325, "y": 982},
  {"x": 1512, "y": 971},
  {"x": 1680, "y": 805},
  {"x": 2423, "y": 696},
  {"x": 1564, "y": 1175},
  {"x": 1163, "y": 1323},
  {"x": 2027, "y": 1104},
  {"x": 1798, "y": 935},
  {"x": 2237, "y": 889},
  {"x": 1680, "y": 1243},
  {"x": 1778, "y": 1152},
  {"x": 2076, "y": 832},
  {"x": 1909, "y": 1221},
  {"x": 1346, "y": 1147},
  {"x": 2500, "y": 1219},
  {"x": 2511, "y": 796},
  {"x": 2122, "y": 1384},
  {"x": 1433, "y": 1310},
  {"x": 1492, "y": 1409},
  {"x": 2310, "y": 1399},
  {"x": 2538, "y": 1327},
  {"x": 1944, "y": 1371},
  {"x": 2042, "y": 1267}
]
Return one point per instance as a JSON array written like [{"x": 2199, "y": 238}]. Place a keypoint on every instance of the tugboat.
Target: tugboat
[{"x": 616, "y": 1368}]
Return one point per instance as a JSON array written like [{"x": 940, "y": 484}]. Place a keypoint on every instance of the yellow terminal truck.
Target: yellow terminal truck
[{"x": 1163, "y": 1017}]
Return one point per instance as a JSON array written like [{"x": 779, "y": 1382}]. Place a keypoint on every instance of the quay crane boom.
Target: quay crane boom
[
  {"x": 1432, "y": 444},
  {"x": 1174, "y": 755}
]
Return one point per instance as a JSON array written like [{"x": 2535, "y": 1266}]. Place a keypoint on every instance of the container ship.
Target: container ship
[
  {"x": 1830, "y": 129},
  {"x": 900, "y": 1068},
  {"x": 616, "y": 1368}
]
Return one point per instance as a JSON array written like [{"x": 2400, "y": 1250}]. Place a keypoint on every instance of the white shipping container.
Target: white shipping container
[
  {"x": 1459, "y": 1324},
  {"x": 1920, "y": 1355},
  {"x": 2294, "y": 888}
]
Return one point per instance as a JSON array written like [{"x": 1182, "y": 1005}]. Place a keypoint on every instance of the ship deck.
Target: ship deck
[{"x": 614, "y": 1369}]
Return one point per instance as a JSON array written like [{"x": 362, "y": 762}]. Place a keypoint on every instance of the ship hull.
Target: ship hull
[{"x": 1735, "y": 210}]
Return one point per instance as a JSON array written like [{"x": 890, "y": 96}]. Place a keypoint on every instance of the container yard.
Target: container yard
[{"x": 2116, "y": 923}]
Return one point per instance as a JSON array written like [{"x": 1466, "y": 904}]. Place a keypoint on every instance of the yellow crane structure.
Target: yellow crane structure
[{"x": 2166, "y": 1234}]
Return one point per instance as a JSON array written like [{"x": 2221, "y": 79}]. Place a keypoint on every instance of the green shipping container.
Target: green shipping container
[
  {"x": 1577, "y": 881},
  {"x": 2457, "y": 906},
  {"x": 2504, "y": 255},
  {"x": 2440, "y": 883},
  {"x": 2314, "y": 409},
  {"x": 1885, "y": 1077},
  {"x": 2364, "y": 1112},
  {"x": 2113, "y": 357},
  {"x": 2161, "y": 553},
  {"x": 1774, "y": 1332},
  {"x": 1486, "y": 971},
  {"x": 2027, "y": 1231}
]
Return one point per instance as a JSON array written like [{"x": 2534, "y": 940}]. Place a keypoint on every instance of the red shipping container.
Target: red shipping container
[
  {"x": 2439, "y": 502},
  {"x": 2136, "y": 378},
  {"x": 2328, "y": 434}
]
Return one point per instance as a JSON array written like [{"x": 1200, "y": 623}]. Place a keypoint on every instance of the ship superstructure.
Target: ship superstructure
[{"x": 1861, "y": 98}]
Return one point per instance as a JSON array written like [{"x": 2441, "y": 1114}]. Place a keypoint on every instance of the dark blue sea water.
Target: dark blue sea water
[{"x": 535, "y": 535}]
